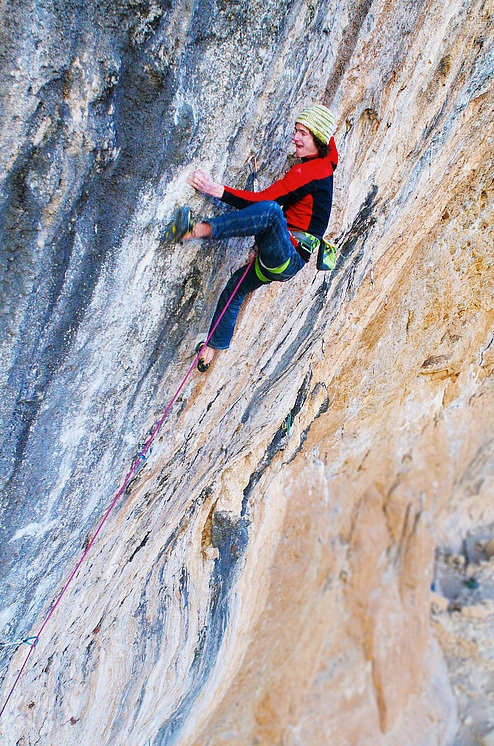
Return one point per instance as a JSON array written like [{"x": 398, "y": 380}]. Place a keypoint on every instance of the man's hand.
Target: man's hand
[{"x": 202, "y": 181}]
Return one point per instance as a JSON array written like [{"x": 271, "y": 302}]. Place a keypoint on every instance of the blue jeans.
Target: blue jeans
[{"x": 265, "y": 221}]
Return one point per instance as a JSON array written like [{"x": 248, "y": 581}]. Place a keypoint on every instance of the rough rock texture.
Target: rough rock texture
[
  {"x": 266, "y": 578},
  {"x": 463, "y": 619}
]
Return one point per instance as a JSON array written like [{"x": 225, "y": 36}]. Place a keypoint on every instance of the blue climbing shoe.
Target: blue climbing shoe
[{"x": 180, "y": 225}]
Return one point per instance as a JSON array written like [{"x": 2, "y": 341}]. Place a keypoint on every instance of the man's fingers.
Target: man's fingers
[
  {"x": 199, "y": 178},
  {"x": 201, "y": 181}
]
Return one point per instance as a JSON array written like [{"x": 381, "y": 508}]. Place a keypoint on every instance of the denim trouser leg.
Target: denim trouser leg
[
  {"x": 223, "y": 333},
  {"x": 265, "y": 221}
]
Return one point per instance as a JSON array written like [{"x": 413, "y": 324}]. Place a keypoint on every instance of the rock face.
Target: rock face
[{"x": 265, "y": 579}]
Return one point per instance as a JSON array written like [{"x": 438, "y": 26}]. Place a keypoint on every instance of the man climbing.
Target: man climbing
[{"x": 288, "y": 220}]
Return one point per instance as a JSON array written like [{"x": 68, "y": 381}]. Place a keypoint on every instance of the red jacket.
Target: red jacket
[{"x": 305, "y": 193}]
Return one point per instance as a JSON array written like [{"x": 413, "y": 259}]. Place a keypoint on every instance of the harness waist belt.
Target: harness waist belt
[{"x": 307, "y": 241}]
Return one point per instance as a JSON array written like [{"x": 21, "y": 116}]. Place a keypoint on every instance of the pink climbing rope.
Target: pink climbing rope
[{"x": 33, "y": 641}]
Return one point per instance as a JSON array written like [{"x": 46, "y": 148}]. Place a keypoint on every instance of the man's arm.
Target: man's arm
[{"x": 203, "y": 182}]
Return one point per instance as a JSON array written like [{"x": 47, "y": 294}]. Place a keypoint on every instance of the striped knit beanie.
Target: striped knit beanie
[{"x": 319, "y": 120}]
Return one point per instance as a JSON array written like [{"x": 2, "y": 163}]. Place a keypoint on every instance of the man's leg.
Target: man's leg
[
  {"x": 265, "y": 221},
  {"x": 223, "y": 333},
  {"x": 279, "y": 261}
]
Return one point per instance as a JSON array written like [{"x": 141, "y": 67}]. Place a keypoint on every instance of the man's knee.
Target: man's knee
[
  {"x": 274, "y": 209},
  {"x": 275, "y": 214}
]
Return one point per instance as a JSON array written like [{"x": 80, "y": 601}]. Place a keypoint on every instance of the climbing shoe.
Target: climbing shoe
[
  {"x": 326, "y": 256},
  {"x": 202, "y": 367},
  {"x": 180, "y": 225}
]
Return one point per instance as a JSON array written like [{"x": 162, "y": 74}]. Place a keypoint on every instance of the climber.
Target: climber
[{"x": 288, "y": 220}]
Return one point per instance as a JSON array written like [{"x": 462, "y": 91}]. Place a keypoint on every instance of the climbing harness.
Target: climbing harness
[
  {"x": 141, "y": 456},
  {"x": 274, "y": 271},
  {"x": 307, "y": 241},
  {"x": 326, "y": 252}
]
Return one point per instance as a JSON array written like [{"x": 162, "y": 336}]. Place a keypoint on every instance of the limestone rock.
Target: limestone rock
[
  {"x": 465, "y": 633},
  {"x": 255, "y": 584},
  {"x": 439, "y": 603}
]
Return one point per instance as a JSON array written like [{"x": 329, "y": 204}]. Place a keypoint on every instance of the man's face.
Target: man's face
[{"x": 304, "y": 142}]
